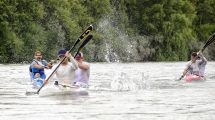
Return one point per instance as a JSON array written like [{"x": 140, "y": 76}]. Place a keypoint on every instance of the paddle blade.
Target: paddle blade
[
  {"x": 209, "y": 41},
  {"x": 86, "y": 41},
  {"x": 88, "y": 38},
  {"x": 86, "y": 32},
  {"x": 82, "y": 36}
]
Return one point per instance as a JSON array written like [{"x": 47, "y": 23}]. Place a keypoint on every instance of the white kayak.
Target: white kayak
[{"x": 53, "y": 90}]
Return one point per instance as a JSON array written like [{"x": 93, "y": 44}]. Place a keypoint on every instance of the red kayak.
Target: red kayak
[{"x": 190, "y": 78}]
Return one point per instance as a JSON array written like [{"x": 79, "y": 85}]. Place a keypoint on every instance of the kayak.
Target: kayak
[
  {"x": 53, "y": 90},
  {"x": 191, "y": 78}
]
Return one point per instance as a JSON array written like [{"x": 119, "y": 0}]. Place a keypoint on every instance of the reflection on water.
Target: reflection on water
[{"x": 133, "y": 91}]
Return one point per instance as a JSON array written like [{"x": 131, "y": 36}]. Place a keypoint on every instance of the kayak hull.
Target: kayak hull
[
  {"x": 192, "y": 78},
  {"x": 55, "y": 90}
]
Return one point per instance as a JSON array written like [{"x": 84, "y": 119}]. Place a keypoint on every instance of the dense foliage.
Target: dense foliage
[{"x": 125, "y": 30}]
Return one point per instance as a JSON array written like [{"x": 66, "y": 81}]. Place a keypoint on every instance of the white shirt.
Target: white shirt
[
  {"x": 193, "y": 67},
  {"x": 197, "y": 68},
  {"x": 82, "y": 75},
  {"x": 65, "y": 74},
  {"x": 202, "y": 68}
]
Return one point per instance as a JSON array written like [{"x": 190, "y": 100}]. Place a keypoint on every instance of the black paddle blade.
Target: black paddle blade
[
  {"x": 209, "y": 41},
  {"x": 86, "y": 32},
  {"x": 82, "y": 36},
  {"x": 88, "y": 38}
]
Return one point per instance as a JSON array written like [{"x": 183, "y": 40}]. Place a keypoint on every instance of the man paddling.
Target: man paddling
[
  {"x": 65, "y": 74},
  {"x": 37, "y": 68},
  {"x": 82, "y": 74},
  {"x": 195, "y": 68}
]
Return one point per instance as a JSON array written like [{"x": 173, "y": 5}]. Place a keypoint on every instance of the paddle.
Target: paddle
[
  {"x": 82, "y": 36},
  {"x": 89, "y": 37},
  {"x": 209, "y": 41}
]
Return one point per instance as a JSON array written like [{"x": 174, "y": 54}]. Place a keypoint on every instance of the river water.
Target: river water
[{"x": 118, "y": 91}]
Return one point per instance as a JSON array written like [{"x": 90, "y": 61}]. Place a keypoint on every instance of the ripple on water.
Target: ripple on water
[{"x": 118, "y": 91}]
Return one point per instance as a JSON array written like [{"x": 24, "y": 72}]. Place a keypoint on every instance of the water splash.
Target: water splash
[
  {"x": 118, "y": 45},
  {"x": 145, "y": 82},
  {"x": 110, "y": 55},
  {"x": 123, "y": 82}
]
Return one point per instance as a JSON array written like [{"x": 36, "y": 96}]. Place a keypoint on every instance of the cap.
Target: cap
[
  {"x": 61, "y": 52},
  {"x": 79, "y": 55}
]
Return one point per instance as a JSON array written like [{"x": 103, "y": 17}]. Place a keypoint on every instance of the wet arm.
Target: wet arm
[
  {"x": 39, "y": 66},
  {"x": 49, "y": 66},
  {"x": 74, "y": 62},
  {"x": 203, "y": 59},
  {"x": 83, "y": 66},
  {"x": 46, "y": 64}
]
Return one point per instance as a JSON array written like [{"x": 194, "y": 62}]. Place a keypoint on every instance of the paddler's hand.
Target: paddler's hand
[
  {"x": 200, "y": 53},
  {"x": 49, "y": 66},
  {"x": 45, "y": 82},
  {"x": 52, "y": 62},
  {"x": 68, "y": 55},
  {"x": 42, "y": 66}
]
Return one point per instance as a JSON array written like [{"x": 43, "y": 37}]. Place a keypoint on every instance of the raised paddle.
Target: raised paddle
[
  {"x": 83, "y": 44},
  {"x": 82, "y": 36},
  {"x": 209, "y": 41}
]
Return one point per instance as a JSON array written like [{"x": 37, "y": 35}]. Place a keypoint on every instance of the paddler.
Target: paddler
[
  {"x": 38, "y": 65},
  {"x": 195, "y": 68},
  {"x": 65, "y": 74},
  {"x": 82, "y": 74}
]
